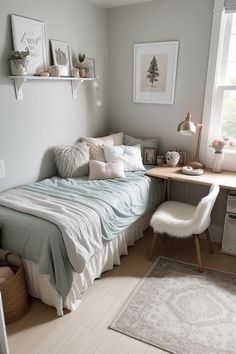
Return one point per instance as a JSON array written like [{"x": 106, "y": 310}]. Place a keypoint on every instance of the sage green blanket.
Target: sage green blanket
[{"x": 61, "y": 223}]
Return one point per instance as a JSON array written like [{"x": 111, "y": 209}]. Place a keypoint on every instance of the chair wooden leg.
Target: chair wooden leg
[
  {"x": 154, "y": 240},
  {"x": 209, "y": 241},
  {"x": 198, "y": 251}
]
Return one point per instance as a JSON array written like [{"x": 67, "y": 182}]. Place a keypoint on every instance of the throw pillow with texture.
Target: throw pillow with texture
[
  {"x": 96, "y": 145},
  {"x": 145, "y": 143},
  {"x": 130, "y": 155},
  {"x": 103, "y": 170},
  {"x": 72, "y": 160}
]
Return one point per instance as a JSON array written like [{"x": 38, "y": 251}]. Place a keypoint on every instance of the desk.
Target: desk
[{"x": 225, "y": 179}]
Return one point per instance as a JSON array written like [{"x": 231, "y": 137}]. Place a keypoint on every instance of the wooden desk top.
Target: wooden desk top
[{"x": 225, "y": 179}]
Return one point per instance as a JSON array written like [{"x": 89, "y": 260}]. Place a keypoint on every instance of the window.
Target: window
[
  {"x": 226, "y": 85},
  {"x": 219, "y": 116}
]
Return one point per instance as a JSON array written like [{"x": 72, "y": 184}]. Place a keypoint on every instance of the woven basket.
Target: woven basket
[{"x": 14, "y": 294}]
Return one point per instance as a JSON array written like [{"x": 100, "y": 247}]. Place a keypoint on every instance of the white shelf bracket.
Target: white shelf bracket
[
  {"x": 75, "y": 87},
  {"x": 18, "y": 87}
]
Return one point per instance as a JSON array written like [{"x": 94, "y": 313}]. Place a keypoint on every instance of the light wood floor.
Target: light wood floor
[{"x": 86, "y": 329}]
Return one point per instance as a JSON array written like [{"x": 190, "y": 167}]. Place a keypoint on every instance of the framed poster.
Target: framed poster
[
  {"x": 30, "y": 34},
  {"x": 155, "y": 72},
  {"x": 61, "y": 55}
]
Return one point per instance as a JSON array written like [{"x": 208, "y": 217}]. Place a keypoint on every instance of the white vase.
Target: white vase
[{"x": 217, "y": 163}]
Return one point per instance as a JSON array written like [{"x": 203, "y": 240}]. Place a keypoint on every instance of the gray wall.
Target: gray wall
[
  {"x": 48, "y": 114},
  {"x": 189, "y": 22}
]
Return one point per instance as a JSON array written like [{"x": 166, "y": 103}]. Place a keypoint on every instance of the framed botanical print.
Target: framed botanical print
[
  {"x": 61, "y": 55},
  {"x": 155, "y": 72},
  {"x": 31, "y": 34}
]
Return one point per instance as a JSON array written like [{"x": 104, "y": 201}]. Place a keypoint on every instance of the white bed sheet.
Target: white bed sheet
[{"x": 39, "y": 285}]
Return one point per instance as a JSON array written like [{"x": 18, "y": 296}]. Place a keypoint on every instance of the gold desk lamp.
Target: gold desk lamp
[{"x": 187, "y": 128}]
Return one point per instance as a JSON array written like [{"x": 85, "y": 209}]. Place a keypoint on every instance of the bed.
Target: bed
[{"x": 69, "y": 231}]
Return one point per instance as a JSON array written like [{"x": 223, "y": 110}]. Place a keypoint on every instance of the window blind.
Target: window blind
[{"x": 230, "y": 5}]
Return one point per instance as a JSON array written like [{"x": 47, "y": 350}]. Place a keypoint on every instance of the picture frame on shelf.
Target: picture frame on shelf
[
  {"x": 31, "y": 34},
  {"x": 61, "y": 55},
  {"x": 149, "y": 156},
  {"x": 155, "y": 66},
  {"x": 90, "y": 68}
]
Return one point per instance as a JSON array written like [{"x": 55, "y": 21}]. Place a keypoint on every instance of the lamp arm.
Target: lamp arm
[{"x": 200, "y": 130}]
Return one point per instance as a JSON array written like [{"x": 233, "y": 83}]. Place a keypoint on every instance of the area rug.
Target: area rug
[{"x": 178, "y": 309}]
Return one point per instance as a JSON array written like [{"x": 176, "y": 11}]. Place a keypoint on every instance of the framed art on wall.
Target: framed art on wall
[
  {"x": 155, "y": 72},
  {"x": 30, "y": 34},
  {"x": 61, "y": 55}
]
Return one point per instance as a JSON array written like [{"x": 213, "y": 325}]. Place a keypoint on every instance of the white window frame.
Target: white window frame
[{"x": 215, "y": 87}]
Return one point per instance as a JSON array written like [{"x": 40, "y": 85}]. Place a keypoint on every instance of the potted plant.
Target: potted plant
[
  {"x": 19, "y": 62},
  {"x": 219, "y": 144}
]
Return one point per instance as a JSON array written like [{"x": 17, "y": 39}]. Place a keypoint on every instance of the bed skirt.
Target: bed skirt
[{"x": 39, "y": 285}]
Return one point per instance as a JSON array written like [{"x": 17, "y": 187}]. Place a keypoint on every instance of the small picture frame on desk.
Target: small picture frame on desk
[
  {"x": 149, "y": 156},
  {"x": 183, "y": 158}
]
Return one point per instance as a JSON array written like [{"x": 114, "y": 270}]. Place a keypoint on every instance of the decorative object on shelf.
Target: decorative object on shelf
[
  {"x": 188, "y": 128},
  {"x": 155, "y": 72},
  {"x": 55, "y": 71},
  {"x": 19, "y": 62},
  {"x": 149, "y": 156},
  {"x": 90, "y": 67},
  {"x": 61, "y": 55},
  {"x": 81, "y": 65},
  {"x": 75, "y": 72},
  {"x": 188, "y": 170},
  {"x": 172, "y": 158},
  {"x": 161, "y": 160},
  {"x": 30, "y": 35},
  {"x": 44, "y": 73}
]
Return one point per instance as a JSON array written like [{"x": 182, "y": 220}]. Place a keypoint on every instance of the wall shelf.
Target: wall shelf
[{"x": 19, "y": 81}]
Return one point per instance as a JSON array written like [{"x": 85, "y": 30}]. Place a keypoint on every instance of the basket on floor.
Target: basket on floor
[{"x": 14, "y": 295}]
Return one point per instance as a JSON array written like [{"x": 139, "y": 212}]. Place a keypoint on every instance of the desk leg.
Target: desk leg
[{"x": 168, "y": 189}]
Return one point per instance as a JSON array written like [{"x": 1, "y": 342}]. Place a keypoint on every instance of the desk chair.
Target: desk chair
[{"x": 183, "y": 220}]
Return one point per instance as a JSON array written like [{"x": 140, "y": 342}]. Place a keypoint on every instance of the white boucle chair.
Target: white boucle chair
[{"x": 183, "y": 220}]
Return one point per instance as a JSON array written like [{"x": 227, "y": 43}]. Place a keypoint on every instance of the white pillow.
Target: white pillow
[
  {"x": 96, "y": 144},
  {"x": 130, "y": 155},
  {"x": 103, "y": 170}
]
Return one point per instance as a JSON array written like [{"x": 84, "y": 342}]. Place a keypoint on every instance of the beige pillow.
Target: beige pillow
[
  {"x": 96, "y": 145},
  {"x": 72, "y": 160},
  {"x": 103, "y": 170}
]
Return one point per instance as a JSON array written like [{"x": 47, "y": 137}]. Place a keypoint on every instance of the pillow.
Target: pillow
[
  {"x": 103, "y": 170},
  {"x": 72, "y": 160},
  {"x": 130, "y": 155},
  {"x": 145, "y": 143},
  {"x": 96, "y": 145}
]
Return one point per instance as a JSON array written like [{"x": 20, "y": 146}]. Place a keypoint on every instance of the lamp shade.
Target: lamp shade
[{"x": 187, "y": 127}]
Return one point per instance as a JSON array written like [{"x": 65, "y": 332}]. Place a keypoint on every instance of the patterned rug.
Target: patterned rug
[{"x": 177, "y": 309}]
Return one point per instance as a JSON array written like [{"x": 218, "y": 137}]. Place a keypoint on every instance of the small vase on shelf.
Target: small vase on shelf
[{"x": 217, "y": 162}]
